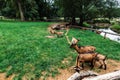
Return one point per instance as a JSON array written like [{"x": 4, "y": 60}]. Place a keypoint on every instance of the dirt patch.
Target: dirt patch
[
  {"x": 63, "y": 76},
  {"x": 3, "y": 77},
  {"x": 112, "y": 65}
]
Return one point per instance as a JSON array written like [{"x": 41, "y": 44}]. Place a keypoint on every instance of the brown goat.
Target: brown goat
[
  {"x": 87, "y": 54},
  {"x": 92, "y": 58},
  {"x": 83, "y": 49},
  {"x": 51, "y": 30},
  {"x": 102, "y": 60},
  {"x": 59, "y": 34},
  {"x": 82, "y": 58}
]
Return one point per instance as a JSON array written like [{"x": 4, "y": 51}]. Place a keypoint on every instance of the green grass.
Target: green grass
[
  {"x": 25, "y": 51},
  {"x": 116, "y": 27}
]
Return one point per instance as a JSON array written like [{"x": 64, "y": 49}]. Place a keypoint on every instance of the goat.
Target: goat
[
  {"x": 102, "y": 60},
  {"x": 87, "y": 54},
  {"x": 83, "y": 49},
  {"x": 92, "y": 58},
  {"x": 59, "y": 34},
  {"x": 51, "y": 30},
  {"x": 74, "y": 41},
  {"x": 82, "y": 58}
]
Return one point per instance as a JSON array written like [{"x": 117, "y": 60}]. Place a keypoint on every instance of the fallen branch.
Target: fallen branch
[
  {"x": 89, "y": 75},
  {"x": 109, "y": 76},
  {"x": 81, "y": 75}
]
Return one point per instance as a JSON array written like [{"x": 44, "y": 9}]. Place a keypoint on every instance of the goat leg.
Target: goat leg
[
  {"x": 101, "y": 62},
  {"x": 105, "y": 66},
  {"x": 77, "y": 61},
  {"x": 92, "y": 64},
  {"x": 82, "y": 65}
]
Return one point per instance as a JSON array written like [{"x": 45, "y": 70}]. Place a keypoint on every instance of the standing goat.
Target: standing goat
[
  {"x": 82, "y": 58},
  {"x": 92, "y": 58},
  {"x": 87, "y": 54},
  {"x": 83, "y": 49}
]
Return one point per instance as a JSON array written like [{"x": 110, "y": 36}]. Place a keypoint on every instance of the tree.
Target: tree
[
  {"x": 28, "y": 9},
  {"x": 86, "y": 9},
  {"x": 77, "y": 8},
  {"x": 14, "y": 5},
  {"x": 111, "y": 6},
  {"x": 44, "y": 8},
  {"x": 20, "y": 10}
]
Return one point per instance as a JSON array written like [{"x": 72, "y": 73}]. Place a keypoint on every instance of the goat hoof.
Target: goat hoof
[
  {"x": 77, "y": 69},
  {"x": 104, "y": 68}
]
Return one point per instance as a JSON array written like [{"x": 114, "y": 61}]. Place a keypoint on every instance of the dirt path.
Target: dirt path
[
  {"x": 112, "y": 65},
  {"x": 3, "y": 77}
]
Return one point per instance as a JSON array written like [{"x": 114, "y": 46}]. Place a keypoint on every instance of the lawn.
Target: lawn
[
  {"x": 25, "y": 51},
  {"x": 116, "y": 27}
]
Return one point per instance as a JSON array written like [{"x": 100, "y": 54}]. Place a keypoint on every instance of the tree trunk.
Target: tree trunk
[
  {"x": 82, "y": 74},
  {"x": 109, "y": 76},
  {"x": 89, "y": 75},
  {"x": 40, "y": 11},
  {"x": 20, "y": 10},
  {"x": 81, "y": 21},
  {"x": 73, "y": 22}
]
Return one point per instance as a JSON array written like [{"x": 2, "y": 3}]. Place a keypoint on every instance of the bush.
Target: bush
[
  {"x": 116, "y": 28},
  {"x": 85, "y": 24},
  {"x": 101, "y": 21}
]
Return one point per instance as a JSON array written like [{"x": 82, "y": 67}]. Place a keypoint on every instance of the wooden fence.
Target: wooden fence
[{"x": 95, "y": 30}]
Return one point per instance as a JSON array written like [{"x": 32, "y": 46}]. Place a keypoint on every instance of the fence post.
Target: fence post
[{"x": 105, "y": 35}]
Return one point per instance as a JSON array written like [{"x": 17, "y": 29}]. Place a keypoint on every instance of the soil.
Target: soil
[{"x": 112, "y": 65}]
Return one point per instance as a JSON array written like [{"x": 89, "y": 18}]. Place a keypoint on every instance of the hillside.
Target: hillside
[{"x": 26, "y": 52}]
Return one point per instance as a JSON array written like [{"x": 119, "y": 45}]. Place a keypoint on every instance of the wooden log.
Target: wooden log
[
  {"x": 81, "y": 75},
  {"x": 74, "y": 76},
  {"x": 109, "y": 76}
]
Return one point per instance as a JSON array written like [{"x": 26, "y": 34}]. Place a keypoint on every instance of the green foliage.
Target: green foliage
[
  {"x": 101, "y": 21},
  {"x": 85, "y": 24},
  {"x": 30, "y": 9},
  {"x": 25, "y": 51},
  {"x": 116, "y": 27}
]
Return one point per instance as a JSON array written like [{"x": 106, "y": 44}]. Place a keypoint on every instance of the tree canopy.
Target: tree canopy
[{"x": 38, "y": 9}]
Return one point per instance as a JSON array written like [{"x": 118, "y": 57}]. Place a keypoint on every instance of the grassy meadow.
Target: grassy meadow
[
  {"x": 116, "y": 27},
  {"x": 25, "y": 51}
]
